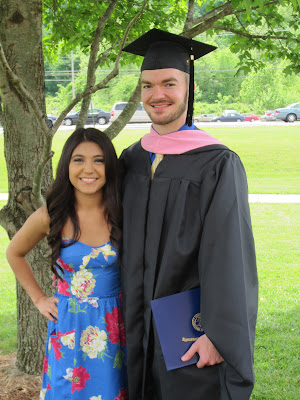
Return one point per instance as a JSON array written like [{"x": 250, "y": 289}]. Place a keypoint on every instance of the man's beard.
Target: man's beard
[{"x": 171, "y": 117}]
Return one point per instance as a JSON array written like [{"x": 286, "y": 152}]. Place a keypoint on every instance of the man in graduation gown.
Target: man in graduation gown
[{"x": 186, "y": 225}]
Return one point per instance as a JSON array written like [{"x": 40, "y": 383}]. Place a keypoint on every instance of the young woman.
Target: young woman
[{"x": 85, "y": 351}]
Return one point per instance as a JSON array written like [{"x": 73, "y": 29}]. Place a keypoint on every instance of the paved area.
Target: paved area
[
  {"x": 200, "y": 125},
  {"x": 253, "y": 198},
  {"x": 274, "y": 198}
]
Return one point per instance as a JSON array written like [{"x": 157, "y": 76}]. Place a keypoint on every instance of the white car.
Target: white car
[{"x": 140, "y": 114}]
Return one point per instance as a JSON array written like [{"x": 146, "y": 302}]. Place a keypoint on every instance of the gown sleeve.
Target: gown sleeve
[{"x": 228, "y": 276}]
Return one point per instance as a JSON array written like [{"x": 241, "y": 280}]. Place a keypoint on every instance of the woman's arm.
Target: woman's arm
[{"x": 32, "y": 232}]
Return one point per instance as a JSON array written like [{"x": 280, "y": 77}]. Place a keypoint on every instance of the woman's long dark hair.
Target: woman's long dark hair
[{"x": 61, "y": 198}]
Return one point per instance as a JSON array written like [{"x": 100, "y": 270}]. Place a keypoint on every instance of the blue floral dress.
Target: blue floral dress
[{"x": 85, "y": 352}]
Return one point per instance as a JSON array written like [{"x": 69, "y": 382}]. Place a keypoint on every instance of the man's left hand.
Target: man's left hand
[{"x": 208, "y": 354}]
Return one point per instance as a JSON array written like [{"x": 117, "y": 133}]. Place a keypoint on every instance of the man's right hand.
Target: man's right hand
[{"x": 208, "y": 354}]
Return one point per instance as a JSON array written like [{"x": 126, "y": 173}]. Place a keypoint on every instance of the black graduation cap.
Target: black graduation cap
[{"x": 162, "y": 49}]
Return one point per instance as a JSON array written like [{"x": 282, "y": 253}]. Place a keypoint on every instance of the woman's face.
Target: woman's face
[{"x": 87, "y": 169}]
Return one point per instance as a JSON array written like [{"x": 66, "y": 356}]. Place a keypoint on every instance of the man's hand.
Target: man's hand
[
  {"x": 48, "y": 307},
  {"x": 208, "y": 354}
]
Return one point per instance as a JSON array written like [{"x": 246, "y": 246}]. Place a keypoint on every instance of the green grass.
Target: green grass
[
  {"x": 276, "y": 231},
  {"x": 276, "y": 234},
  {"x": 270, "y": 154},
  {"x": 8, "y": 322}
]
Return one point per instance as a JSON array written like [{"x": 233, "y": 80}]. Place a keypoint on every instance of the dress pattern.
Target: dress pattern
[{"x": 85, "y": 355}]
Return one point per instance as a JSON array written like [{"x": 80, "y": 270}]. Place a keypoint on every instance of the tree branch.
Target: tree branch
[
  {"x": 6, "y": 221},
  {"x": 213, "y": 12},
  {"x": 126, "y": 114},
  {"x": 47, "y": 154},
  {"x": 17, "y": 84},
  {"x": 90, "y": 90},
  {"x": 91, "y": 70},
  {"x": 189, "y": 21},
  {"x": 131, "y": 23},
  {"x": 105, "y": 54},
  {"x": 257, "y": 7},
  {"x": 208, "y": 20},
  {"x": 240, "y": 22},
  {"x": 250, "y": 36}
]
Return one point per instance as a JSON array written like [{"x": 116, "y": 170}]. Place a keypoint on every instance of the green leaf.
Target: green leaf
[
  {"x": 75, "y": 307},
  {"x": 243, "y": 70},
  {"x": 118, "y": 359}
]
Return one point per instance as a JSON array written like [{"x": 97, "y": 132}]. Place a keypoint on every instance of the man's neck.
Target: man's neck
[{"x": 169, "y": 128}]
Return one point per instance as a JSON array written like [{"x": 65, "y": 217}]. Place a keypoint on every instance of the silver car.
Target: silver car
[
  {"x": 268, "y": 116},
  {"x": 290, "y": 113},
  {"x": 204, "y": 118},
  {"x": 140, "y": 114}
]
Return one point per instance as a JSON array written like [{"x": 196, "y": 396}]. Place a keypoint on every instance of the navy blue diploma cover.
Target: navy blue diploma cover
[{"x": 178, "y": 324}]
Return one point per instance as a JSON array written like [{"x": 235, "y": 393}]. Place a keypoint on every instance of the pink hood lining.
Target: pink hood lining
[{"x": 177, "y": 142}]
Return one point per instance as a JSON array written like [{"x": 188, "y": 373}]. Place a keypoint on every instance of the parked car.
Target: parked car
[
  {"x": 95, "y": 116},
  {"x": 225, "y": 112},
  {"x": 229, "y": 117},
  {"x": 290, "y": 113},
  {"x": 250, "y": 117},
  {"x": 268, "y": 116},
  {"x": 51, "y": 120},
  {"x": 140, "y": 114},
  {"x": 204, "y": 118}
]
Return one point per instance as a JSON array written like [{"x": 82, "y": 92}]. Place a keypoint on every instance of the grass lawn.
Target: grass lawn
[
  {"x": 277, "y": 368},
  {"x": 277, "y": 338},
  {"x": 8, "y": 323},
  {"x": 270, "y": 154}
]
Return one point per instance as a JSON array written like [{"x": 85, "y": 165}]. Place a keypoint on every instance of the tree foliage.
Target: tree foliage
[
  {"x": 269, "y": 88},
  {"x": 258, "y": 32}
]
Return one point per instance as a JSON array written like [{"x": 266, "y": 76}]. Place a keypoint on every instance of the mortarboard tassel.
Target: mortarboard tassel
[{"x": 190, "y": 111}]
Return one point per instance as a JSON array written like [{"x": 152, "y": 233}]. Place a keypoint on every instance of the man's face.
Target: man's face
[{"x": 164, "y": 95}]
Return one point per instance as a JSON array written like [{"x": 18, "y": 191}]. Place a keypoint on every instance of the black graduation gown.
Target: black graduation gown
[{"x": 187, "y": 227}]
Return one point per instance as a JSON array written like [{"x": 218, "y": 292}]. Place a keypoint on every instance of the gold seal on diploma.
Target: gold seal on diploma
[{"x": 196, "y": 322}]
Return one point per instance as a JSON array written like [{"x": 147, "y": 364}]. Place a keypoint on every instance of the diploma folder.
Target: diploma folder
[{"x": 178, "y": 324}]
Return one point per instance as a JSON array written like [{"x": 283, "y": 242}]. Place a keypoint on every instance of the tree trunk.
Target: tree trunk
[
  {"x": 21, "y": 37},
  {"x": 115, "y": 128}
]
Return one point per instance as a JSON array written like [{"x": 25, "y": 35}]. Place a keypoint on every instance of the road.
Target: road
[
  {"x": 253, "y": 198},
  {"x": 200, "y": 125}
]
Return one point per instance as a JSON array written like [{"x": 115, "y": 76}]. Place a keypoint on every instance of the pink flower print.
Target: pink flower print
[
  {"x": 65, "y": 265},
  {"x": 63, "y": 287},
  {"x": 121, "y": 298},
  {"x": 80, "y": 376},
  {"x": 123, "y": 395},
  {"x": 48, "y": 386},
  {"x": 115, "y": 326},
  {"x": 56, "y": 345},
  {"x": 45, "y": 365}
]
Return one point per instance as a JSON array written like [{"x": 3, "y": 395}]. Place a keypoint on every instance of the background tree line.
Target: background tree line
[{"x": 218, "y": 87}]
